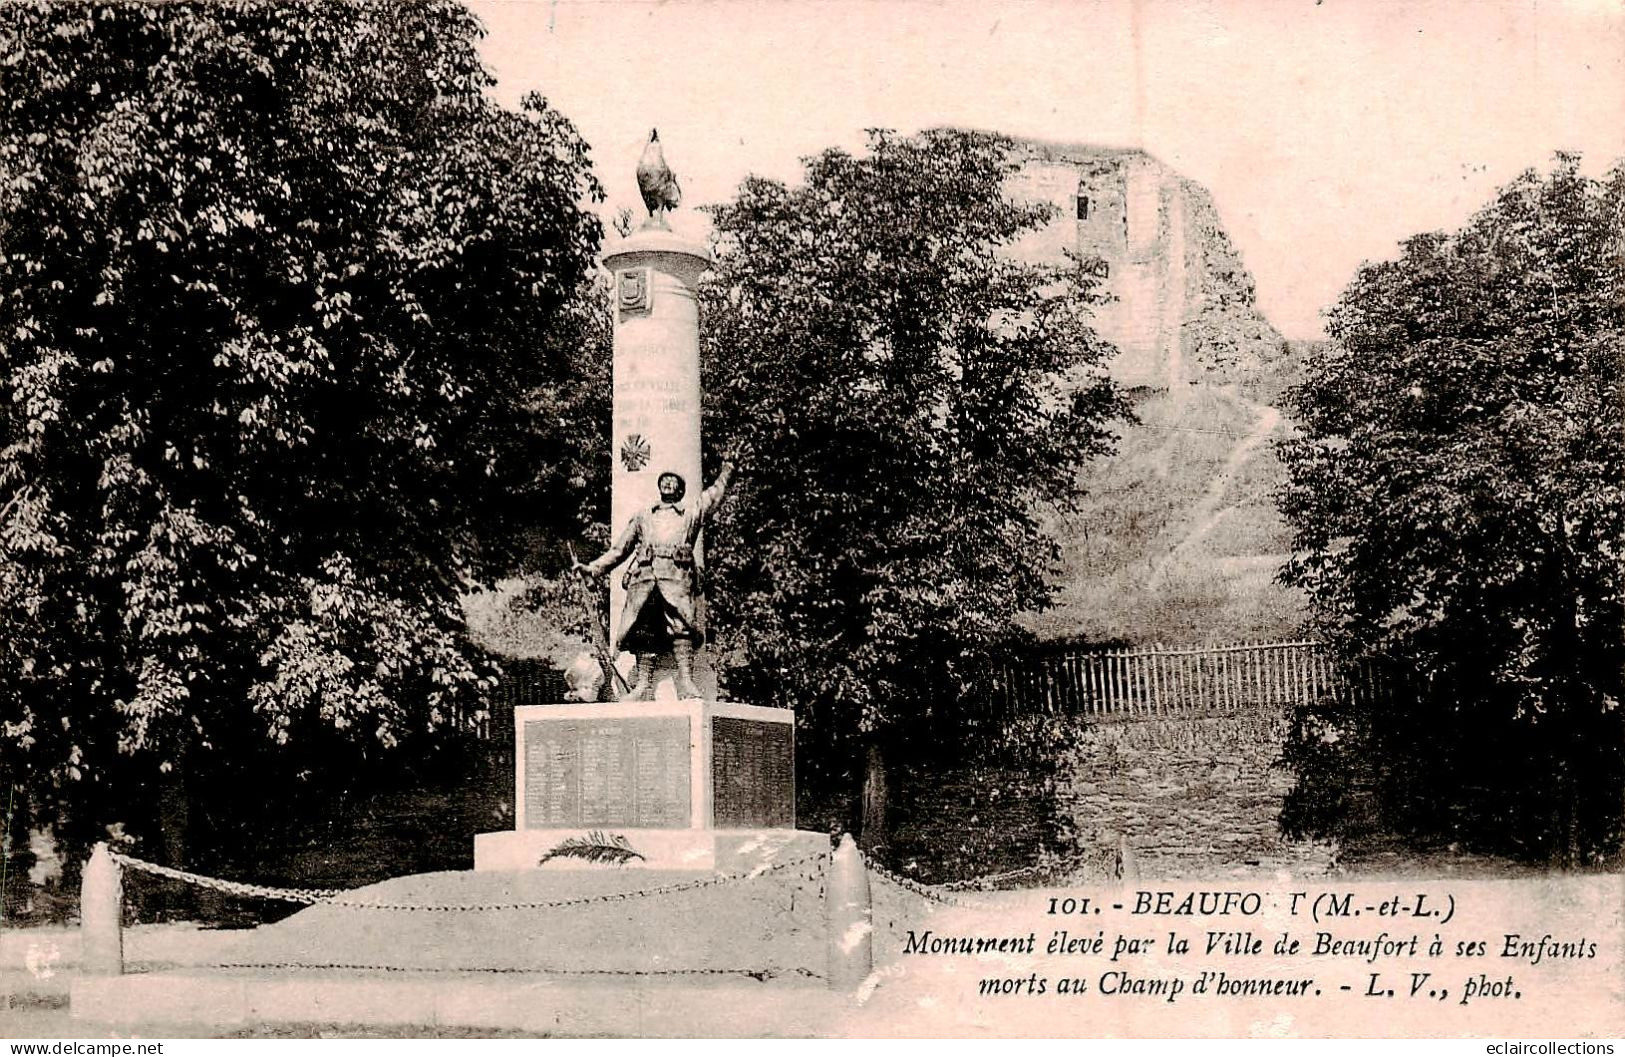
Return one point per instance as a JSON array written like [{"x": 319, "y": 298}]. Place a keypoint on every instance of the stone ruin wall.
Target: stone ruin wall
[
  {"x": 1223, "y": 329},
  {"x": 1192, "y": 796},
  {"x": 1181, "y": 302}
]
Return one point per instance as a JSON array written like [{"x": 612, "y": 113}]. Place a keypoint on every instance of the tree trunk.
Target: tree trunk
[
  {"x": 1575, "y": 707},
  {"x": 872, "y": 824},
  {"x": 175, "y": 900},
  {"x": 16, "y": 858}
]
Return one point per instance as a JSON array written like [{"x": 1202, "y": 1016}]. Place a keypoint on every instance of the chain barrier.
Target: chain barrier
[
  {"x": 938, "y": 893},
  {"x": 336, "y": 897},
  {"x": 944, "y": 895},
  {"x": 931, "y": 893},
  {"x": 306, "y": 896},
  {"x": 973, "y": 883},
  {"x": 760, "y": 974}
]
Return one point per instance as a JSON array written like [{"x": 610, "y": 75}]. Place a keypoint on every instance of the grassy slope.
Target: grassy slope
[{"x": 1179, "y": 540}]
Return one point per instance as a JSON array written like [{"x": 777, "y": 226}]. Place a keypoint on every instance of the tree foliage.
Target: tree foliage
[
  {"x": 1457, "y": 495},
  {"x": 273, "y": 280},
  {"x": 914, "y": 398}
]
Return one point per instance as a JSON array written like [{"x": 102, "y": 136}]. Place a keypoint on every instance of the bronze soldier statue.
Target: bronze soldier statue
[{"x": 665, "y": 606}]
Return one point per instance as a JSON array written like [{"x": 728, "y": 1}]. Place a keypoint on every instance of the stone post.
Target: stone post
[
  {"x": 849, "y": 916},
  {"x": 1128, "y": 867},
  {"x": 656, "y": 404},
  {"x": 101, "y": 909}
]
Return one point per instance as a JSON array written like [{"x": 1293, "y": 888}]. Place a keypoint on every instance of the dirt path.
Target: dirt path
[{"x": 1207, "y": 511}]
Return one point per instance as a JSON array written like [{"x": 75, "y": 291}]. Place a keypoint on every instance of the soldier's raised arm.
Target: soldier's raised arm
[{"x": 719, "y": 488}]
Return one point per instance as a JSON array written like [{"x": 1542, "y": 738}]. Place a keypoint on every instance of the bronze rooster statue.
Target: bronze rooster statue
[{"x": 657, "y": 183}]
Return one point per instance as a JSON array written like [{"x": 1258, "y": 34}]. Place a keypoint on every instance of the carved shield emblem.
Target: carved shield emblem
[{"x": 632, "y": 290}]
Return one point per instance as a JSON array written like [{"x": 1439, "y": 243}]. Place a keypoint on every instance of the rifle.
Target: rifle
[{"x": 600, "y": 640}]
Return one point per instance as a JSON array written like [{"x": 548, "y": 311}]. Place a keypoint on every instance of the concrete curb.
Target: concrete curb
[{"x": 623, "y": 1007}]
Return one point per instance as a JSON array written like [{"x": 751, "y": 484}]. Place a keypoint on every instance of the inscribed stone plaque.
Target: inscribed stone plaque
[
  {"x": 607, "y": 772},
  {"x": 752, "y": 774}
]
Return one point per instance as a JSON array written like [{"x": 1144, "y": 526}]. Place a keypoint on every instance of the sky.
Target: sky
[{"x": 1327, "y": 132}]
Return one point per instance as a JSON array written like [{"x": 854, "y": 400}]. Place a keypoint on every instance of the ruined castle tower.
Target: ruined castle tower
[{"x": 1181, "y": 305}]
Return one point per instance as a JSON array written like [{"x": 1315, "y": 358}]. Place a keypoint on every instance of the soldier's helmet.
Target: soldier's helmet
[{"x": 673, "y": 484}]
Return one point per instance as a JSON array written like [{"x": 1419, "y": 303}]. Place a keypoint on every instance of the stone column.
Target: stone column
[{"x": 656, "y": 416}]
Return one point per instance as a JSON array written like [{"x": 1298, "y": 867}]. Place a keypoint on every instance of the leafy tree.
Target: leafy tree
[
  {"x": 1457, "y": 496},
  {"x": 914, "y": 397},
  {"x": 274, "y": 278}
]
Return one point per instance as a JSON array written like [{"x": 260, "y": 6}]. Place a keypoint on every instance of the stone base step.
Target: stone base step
[
  {"x": 600, "y": 921},
  {"x": 714, "y": 850}
]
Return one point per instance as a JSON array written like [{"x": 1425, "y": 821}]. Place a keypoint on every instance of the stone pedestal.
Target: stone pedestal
[
  {"x": 656, "y": 404},
  {"x": 689, "y": 784}
]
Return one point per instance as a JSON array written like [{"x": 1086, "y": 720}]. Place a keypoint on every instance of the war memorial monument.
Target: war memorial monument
[
  {"x": 653, "y": 840},
  {"x": 684, "y": 779}
]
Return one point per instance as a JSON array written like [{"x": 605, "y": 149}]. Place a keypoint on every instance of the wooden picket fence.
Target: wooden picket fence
[
  {"x": 524, "y": 682},
  {"x": 528, "y": 682},
  {"x": 1110, "y": 683},
  {"x": 1171, "y": 681}
]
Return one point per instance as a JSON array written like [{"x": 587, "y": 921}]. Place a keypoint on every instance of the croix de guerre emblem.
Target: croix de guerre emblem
[{"x": 635, "y": 452}]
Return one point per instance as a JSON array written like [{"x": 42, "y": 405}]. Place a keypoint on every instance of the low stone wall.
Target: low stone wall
[
  {"x": 956, "y": 822},
  {"x": 1196, "y": 797}
]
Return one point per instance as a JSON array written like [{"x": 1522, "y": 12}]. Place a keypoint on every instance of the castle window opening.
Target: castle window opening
[{"x": 1083, "y": 207}]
